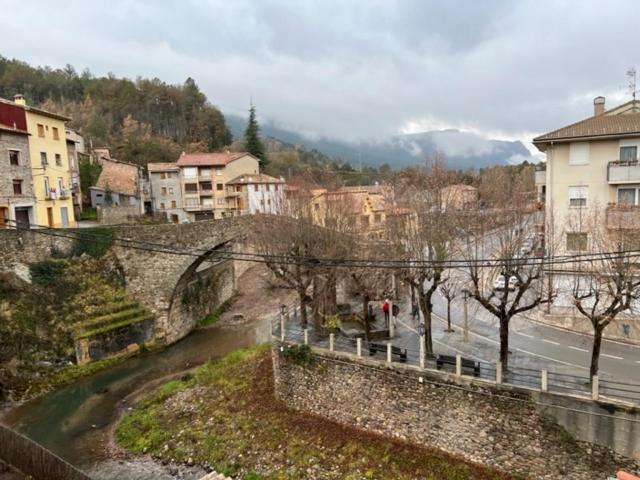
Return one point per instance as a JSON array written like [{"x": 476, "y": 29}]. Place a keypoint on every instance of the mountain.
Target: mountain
[{"x": 461, "y": 149}]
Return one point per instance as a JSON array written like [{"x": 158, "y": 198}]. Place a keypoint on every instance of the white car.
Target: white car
[{"x": 501, "y": 283}]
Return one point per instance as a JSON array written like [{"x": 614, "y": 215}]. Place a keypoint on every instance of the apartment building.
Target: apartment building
[
  {"x": 166, "y": 191},
  {"x": 49, "y": 165},
  {"x": 592, "y": 164},
  {"x": 251, "y": 194},
  {"x": 75, "y": 146},
  {"x": 17, "y": 199},
  {"x": 204, "y": 178}
]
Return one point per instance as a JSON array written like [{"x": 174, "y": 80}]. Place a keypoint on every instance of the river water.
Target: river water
[{"x": 75, "y": 422}]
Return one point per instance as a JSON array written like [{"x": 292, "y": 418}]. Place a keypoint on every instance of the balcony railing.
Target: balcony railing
[
  {"x": 625, "y": 217},
  {"x": 623, "y": 172}
]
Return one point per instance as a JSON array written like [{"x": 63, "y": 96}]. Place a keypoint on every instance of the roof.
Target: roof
[
  {"x": 623, "y": 120},
  {"x": 162, "y": 167},
  {"x": 218, "y": 159},
  {"x": 119, "y": 177},
  {"x": 39, "y": 111},
  {"x": 259, "y": 178}
]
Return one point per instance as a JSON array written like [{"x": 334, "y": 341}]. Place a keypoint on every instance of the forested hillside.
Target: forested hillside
[{"x": 142, "y": 120}]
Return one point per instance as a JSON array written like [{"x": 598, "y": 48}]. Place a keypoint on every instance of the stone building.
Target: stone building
[
  {"x": 17, "y": 200},
  {"x": 75, "y": 146},
  {"x": 166, "y": 192},
  {"x": 251, "y": 194},
  {"x": 118, "y": 185}
]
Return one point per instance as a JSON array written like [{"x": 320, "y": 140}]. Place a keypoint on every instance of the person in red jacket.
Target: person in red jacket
[{"x": 385, "y": 308}]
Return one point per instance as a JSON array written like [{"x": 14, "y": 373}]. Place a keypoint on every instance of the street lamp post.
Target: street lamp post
[{"x": 283, "y": 310}]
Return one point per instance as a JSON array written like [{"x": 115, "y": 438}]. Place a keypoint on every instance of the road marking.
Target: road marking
[
  {"x": 549, "y": 341},
  {"x": 578, "y": 349},
  {"x": 611, "y": 356},
  {"x": 525, "y": 335}
]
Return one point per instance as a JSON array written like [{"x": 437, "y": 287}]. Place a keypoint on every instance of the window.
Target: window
[
  {"x": 377, "y": 218},
  {"x": 262, "y": 202},
  {"x": 191, "y": 202},
  {"x": 43, "y": 158},
  {"x": 40, "y": 130},
  {"x": 218, "y": 171},
  {"x": 629, "y": 154},
  {"x": 190, "y": 172},
  {"x": 161, "y": 205},
  {"x": 17, "y": 187},
  {"x": 255, "y": 187},
  {"x": 174, "y": 218},
  {"x": 72, "y": 162},
  {"x": 578, "y": 196},
  {"x": 173, "y": 204},
  {"x": 627, "y": 196},
  {"x": 191, "y": 188},
  {"x": 267, "y": 187},
  {"x": 58, "y": 160},
  {"x": 205, "y": 172},
  {"x": 239, "y": 188},
  {"x": 170, "y": 190},
  {"x": 269, "y": 202},
  {"x": 60, "y": 185},
  {"x": 206, "y": 186},
  {"x": 219, "y": 187},
  {"x": 276, "y": 187},
  {"x": 576, "y": 241},
  {"x": 14, "y": 157},
  {"x": 579, "y": 153},
  {"x": 56, "y": 134},
  {"x": 221, "y": 201},
  {"x": 163, "y": 190},
  {"x": 163, "y": 175},
  {"x": 47, "y": 190}
]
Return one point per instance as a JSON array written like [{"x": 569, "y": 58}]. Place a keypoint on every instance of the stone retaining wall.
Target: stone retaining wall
[{"x": 494, "y": 425}]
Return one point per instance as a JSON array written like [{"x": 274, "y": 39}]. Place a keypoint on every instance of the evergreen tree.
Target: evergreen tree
[{"x": 252, "y": 142}]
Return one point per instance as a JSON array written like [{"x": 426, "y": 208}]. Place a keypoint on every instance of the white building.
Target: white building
[{"x": 258, "y": 194}]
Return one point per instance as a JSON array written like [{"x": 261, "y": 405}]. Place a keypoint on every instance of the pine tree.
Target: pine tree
[{"x": 252, "y": 142}]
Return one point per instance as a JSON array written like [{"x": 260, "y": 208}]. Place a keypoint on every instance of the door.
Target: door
[
  {"x": 22, "y": 218},
  {"x": 3, "y": 217},
  {"x": 64, "y": 215},
  {"x": 50, "y": 216},
  {"x": 174, "y": 218}
]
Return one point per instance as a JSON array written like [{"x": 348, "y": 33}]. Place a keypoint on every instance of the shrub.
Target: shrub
[
  {"x": 298, "y": 354},
  {"x": 93, "y": 241},
  {"x": 47, "y": 273}
]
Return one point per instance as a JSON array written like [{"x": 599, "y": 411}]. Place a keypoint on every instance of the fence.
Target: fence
[
  {"x": 33, "y": 459},
  {"x": 286, "y": 328}
]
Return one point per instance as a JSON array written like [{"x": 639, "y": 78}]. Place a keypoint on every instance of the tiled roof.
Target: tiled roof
[
  {"x": 609, "y": 123},
  {"x": 259, "y": 178},
  {"x": 162, "y": 167},
  {"x": 119, "y": 177},
  {"x": 209, "y": 159}
]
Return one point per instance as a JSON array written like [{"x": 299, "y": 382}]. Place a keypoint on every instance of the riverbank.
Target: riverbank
[{"x": 224, "y": 416}]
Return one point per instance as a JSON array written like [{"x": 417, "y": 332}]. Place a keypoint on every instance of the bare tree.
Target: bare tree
[
  {"x": 450, "y": 289},
  {"x": 504, "y": 279},
  {"x": 606, "y": 282}
]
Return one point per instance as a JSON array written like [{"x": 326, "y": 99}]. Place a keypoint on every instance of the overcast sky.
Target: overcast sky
[{"x": 353, "y": 69}]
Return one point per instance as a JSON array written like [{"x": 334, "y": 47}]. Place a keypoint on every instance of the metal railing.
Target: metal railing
[{"x": 543, "y": 380}]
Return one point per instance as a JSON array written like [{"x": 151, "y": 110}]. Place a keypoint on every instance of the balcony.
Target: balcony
[
  {"x": 625, "y": 217},
  {"x": 623, "y": 172}
]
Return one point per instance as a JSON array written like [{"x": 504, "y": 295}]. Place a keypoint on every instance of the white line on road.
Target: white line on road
[
  {"x": 611, "y": 356},
  {"x": 525, "y": 334},
  {"x": 550, "y": 341},
  {"x": 578, "y": 349}
]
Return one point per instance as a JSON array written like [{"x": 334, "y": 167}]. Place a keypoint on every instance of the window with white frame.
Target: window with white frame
[
  {"x": 190, "y": 172},
  {"x": 579, "y": 153},
  {"x": 629, "y": 153},
  {"x": 578, "y": 196},
  {"x": 629, "y": 195}
]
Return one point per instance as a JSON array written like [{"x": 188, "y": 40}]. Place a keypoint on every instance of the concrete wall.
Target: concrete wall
[
  {"x": 498, "y": 426},
  {"x": 116, "y": 215}
]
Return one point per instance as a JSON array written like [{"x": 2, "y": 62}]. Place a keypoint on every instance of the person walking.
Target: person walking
[
  {"x": 395, "y": 311},
  {"x": 385, "y": 310},
  {"x": 415, "y": 310}
]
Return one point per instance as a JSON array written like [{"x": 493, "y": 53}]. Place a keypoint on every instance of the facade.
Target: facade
[
  {"x": 458, "y": 197},
  {"x": 17, "y": 199},
  {"x": 75, "y": 146},
  {"x": 49, "y": 165},
  {"x": 260, "y": 193},
  {"x": 166, "y": 191},
  {"x": 592, "y": 164},
  {"x": 204, "y": 178},
  {"x": 119, "y": 184}
]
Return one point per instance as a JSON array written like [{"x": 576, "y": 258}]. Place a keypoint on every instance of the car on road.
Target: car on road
[{"x": 501, "y": 282}]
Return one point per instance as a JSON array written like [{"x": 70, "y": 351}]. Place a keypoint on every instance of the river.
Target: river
[{"x": 75, "y": 422}]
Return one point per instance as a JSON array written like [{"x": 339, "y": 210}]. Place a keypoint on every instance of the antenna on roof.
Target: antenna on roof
[{"x": 631, "y": 73}]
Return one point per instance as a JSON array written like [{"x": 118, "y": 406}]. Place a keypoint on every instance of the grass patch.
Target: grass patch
[
  {"x": 224, "y": 415},
  {"x": 214, "y": 316},
  {"x": 89, "y": 214}
]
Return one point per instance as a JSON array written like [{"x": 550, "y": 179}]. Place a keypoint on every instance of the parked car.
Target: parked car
[
  {"x": 513, "y": 282},
  {"x": 501, "y": 283}
]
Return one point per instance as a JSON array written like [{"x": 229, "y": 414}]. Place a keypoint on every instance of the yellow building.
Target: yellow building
[{"x": 50, "y": 166}]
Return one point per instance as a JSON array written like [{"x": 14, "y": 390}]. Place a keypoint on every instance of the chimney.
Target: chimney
[
  {"x": 19, "y": 99},
  {"x": 598, "y": 106}
]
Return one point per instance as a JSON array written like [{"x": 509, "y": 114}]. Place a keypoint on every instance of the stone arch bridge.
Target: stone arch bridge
[{"x": 158, "y": 279}]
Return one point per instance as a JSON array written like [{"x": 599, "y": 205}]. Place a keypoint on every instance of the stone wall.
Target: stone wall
[
  {"x": 494, "y": 425},
  {"x": 118, "y": 214},
  {"x": 13, "y": 141}
]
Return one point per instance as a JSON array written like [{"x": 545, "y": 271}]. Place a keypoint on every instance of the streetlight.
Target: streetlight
[{"x": 465, "y": 293}]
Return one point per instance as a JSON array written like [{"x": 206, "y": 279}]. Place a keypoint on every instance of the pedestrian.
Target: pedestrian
[
  {"x": 385, "y": 310},
  {"x": 415, "y": 310},
  {"x": 626, "y": 330},
  {"x": 395, "y": 311}
]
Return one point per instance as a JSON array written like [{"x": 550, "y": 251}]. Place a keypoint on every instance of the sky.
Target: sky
[{"x": 353, "y": 70}]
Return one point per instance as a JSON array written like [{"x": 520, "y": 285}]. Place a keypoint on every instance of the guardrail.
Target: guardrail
[
  {"x": 33, "y": 459},
  {"x": 285, "y": 327}
]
